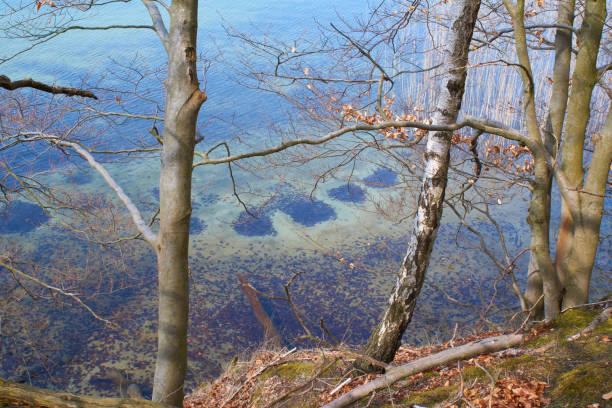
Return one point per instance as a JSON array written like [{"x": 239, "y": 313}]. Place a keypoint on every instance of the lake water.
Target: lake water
[{"x": 347, "y": 241}]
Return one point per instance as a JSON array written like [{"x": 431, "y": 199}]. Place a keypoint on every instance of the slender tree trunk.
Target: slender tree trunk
[
  {"x": 539, "y": 208},
  {"x": 552, "y": 136},
  {"x": 183, "y": 101},
  {"x": 386, "y": 337},
  {"x": 534, "y": 289},
  {"x": 538, "y": 220}
]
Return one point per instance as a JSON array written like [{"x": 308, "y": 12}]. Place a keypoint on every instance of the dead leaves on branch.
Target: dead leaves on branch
[{"x": 512, "y": 158}]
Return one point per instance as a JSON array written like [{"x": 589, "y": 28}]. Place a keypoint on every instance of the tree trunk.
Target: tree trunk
[
  {"x": 183, "y": 101},
  {"x": 534, "y": 289},
  {"x": 552, "y": 136},
  {"x": 574, "y": 261},
  {"x": 539, "y": 224},
  {"x": 591, "y": 210},
  {"x": 539, "y": 208},
  {"x": 386, "y": 337}
]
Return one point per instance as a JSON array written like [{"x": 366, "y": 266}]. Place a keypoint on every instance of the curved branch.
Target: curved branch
[
  {"x": 158, "y": 22},
  {"x": 486, "y": 126}
]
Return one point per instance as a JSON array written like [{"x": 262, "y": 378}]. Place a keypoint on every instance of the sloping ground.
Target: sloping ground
[{"x": 547, "y": 370}]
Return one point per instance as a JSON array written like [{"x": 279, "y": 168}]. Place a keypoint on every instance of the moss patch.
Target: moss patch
[
  {"x": 430, "y": 397},
  {"x": 582, "y": 385},
  {"x": 471, "y": 373},
  {"x": 291, "y": 371}
]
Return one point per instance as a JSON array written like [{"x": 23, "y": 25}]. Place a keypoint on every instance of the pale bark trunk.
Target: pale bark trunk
[
  {"x": 586, "y": 235},
  {"x": 539, "y": 208},
  {"x": 578, "y": 238},
  {"x": 534, "y": 290},
  {"x": 183, "y": 101},
  {"x": 539, "y": 223},
  {"x": 554, "y": 130},
  {"x": 386, "y": 337}
]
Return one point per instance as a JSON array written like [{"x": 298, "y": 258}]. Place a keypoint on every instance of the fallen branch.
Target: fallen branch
[
  {"x": 602, "y": 318},
  {"x": 6, "y": 83},
  {"x": 13, "y": 394},
  {"x": 271, "y": 335},
  {"x": 426, "y": 363}
]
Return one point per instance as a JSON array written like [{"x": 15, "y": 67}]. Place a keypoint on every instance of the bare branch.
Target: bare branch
[
  {"x": 480, "y": 124},
  {"x": 71, "y": 295},
  {"x": 6, "y": 83},
  {"x": 158, "y": 22}
]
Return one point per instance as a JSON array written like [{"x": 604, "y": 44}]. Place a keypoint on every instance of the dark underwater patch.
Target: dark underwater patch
[
  {"x": 348, "y": 193},
  {"x": 208, "y": 198},
  {"x": 381, "y": 178},
  {"x": 79, "y": 177},
  {"x": 254, "y": 227},
  {"x": 196, "y": 225},
  {"x": 305, "y": 211},
  {"x": 21, "y": 216}
]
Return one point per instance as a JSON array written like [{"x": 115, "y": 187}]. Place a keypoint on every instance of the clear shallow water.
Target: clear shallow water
[{"x": 320, "y": 238}]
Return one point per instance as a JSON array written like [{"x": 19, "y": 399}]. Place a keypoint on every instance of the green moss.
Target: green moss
[
  {"x": 431, "y": 397},
  {"x": 540, "y": 341},
  {"x": 472, "y": 373},
  {"x": 566, "y": 324},
  {"x": 582, "y": 385},
  {"x": 574, "y": 320},
  {"x": 290, "y": 371},
  {"x": 604, "y": 328},
  {"x": 524, "y": 362}
]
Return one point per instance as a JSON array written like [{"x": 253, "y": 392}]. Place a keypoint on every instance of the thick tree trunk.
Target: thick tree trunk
[
  {"x": 574, "y": 260},
  {"x": 582, "y": 256},
  {"x": 386, "y": 337},
  {"x": 183, "y": 101}
]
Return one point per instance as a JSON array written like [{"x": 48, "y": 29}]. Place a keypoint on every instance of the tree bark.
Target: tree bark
[
  {"x": 395, "y": 374},
  {"x": 386, "y": 337},
  {"x": 577, "y": 244},
  {"x": 6, "y": 83},
  {"x": 20, "y": 395},
  {"x": 183, "y": 101},
  {"x": 553, "y": 132},
  {"x": 534, "y": 289},
  {"x": 539, "y": 207}
]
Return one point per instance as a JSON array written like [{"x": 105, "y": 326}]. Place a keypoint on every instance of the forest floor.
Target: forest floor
[{"x": 550, "y": 368}]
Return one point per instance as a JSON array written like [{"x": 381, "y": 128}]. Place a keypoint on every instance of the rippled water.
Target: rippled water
[{"x": 346, "y": 251}]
